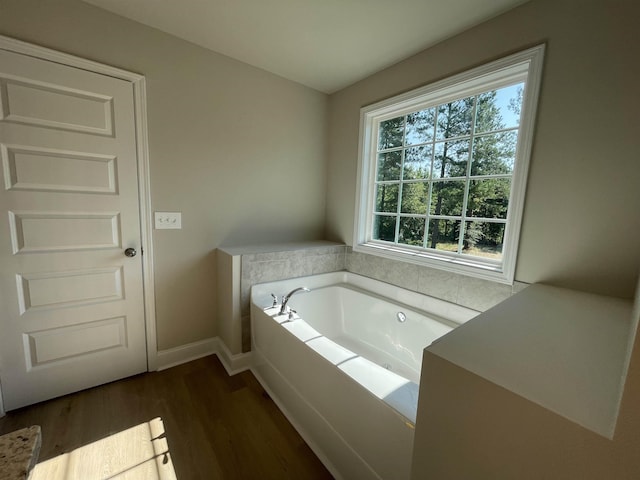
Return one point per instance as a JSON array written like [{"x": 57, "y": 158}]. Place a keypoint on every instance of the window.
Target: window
[{"x": 443, "y": 169}]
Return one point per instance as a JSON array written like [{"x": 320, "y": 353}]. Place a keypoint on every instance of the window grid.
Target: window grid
[{"x": 463, "y": 218}]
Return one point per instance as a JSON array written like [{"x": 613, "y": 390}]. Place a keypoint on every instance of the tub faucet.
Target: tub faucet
[{"x": 285, "y": 299}]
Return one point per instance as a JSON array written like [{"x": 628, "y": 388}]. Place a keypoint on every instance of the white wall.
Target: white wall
[{"x": 239, "y": 151}]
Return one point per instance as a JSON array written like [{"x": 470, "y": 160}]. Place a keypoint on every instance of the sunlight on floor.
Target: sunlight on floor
[{"x": 140, "y": 452}]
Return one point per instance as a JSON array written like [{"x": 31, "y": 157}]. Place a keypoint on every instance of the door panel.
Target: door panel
[
  {"x": 42, "y": 169},
  {"x": 66, "y": 289},
  {"x": 50, "y": 105},
  {"x": 72, "y": 303},
  {"x": 57, "y": 344},
  {"x": 50, "y": 231}
]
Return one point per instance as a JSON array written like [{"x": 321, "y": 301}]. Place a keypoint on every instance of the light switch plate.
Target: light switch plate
[{"x": 167, "y": 220}]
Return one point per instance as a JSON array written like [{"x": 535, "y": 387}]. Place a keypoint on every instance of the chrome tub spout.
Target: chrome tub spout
[{"x": 285, "y": 299}]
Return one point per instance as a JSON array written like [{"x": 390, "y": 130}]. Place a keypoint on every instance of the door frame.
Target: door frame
[{"x": 144, "y": 183}]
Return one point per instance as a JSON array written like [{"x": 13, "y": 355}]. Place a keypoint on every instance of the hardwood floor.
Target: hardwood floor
[{"x": 218, "y": 427}]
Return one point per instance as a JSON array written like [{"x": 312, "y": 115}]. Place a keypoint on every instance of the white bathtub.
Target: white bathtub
[{"x": 345, "y": 368}]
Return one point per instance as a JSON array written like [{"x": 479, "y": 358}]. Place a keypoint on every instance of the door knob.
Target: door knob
[{"x": 130, "y": 252}]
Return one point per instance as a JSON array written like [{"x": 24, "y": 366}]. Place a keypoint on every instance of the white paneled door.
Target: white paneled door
[{"x": 72, "y": 309}]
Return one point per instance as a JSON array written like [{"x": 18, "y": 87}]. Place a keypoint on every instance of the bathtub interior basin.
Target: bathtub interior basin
[{"x": 347, "y": 359}]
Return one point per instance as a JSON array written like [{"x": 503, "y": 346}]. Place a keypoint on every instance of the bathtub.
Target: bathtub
[{"x": 344, "y": 367}]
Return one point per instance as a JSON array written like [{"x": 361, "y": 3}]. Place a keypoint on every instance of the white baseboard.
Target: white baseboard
[
  {"x": 186, "y": 353},
  {"x": 233, "y": 363}
]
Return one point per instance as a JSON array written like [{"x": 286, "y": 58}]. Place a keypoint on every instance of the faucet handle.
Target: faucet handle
[
  {"x": 274, "y": 304},
  {"x": 291, "y": 313}
]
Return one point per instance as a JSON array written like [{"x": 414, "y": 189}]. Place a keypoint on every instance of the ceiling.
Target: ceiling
[{"x": 324, "y": 44}]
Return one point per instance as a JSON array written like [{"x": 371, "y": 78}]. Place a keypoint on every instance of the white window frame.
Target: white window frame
[{"x": 525, "y": 66}]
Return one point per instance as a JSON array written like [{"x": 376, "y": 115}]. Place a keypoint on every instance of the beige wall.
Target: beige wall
[
  {"x": 469, "y": 428},
  {"x": 240, "y": 152},
  {"x": 581, "y": 223}
]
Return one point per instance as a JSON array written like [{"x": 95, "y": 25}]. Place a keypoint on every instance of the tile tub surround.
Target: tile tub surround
[
  {"x": 267, "y": 263},
  {"x": 279, "y": 265},
  {"x": 271, "y": 266},
  {"x": 470, "y": 292}
]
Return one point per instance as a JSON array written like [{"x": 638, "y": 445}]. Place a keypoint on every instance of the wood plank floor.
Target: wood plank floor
[{"x": 218, "y": 427}]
